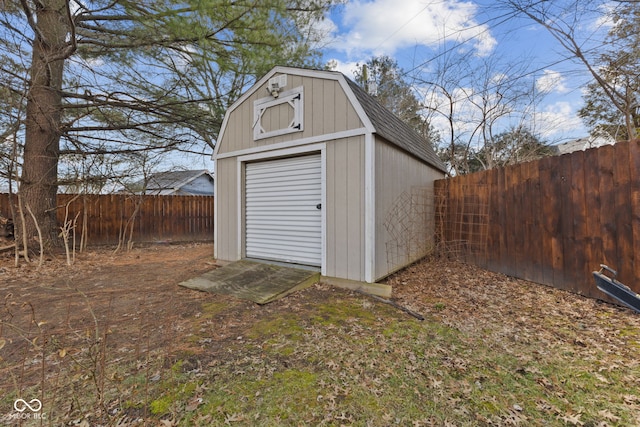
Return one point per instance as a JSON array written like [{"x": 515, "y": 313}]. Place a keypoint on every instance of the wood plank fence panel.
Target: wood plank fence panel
[
  {"x": 607, "y": 205},
  {"x": 159, "y": 218},
  {"x": 593, "y": 243},
  {"x": 493, "y": 235},
  {"x": 634, "y": 178},
  {"x": 518, "y": 233},
  {"x": 555, "y": 220},
  {"x": 498, "y": 205},
  {"x": 578, "y": 259},
  {"x": 532, "y": 221},
  {"x": 566, "y": 227},
  {"x": 622, "y": 197},
  {"x": 546, "y": 224}
]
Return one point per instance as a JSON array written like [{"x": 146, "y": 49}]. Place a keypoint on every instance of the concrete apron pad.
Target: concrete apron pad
[{"x": 254, "y": 281}]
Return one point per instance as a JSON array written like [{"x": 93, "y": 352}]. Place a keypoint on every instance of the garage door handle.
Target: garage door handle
[{"x": 319, "y": 206}]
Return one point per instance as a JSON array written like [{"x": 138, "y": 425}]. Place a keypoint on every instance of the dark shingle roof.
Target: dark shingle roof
[{"x": 394, "y": 130}]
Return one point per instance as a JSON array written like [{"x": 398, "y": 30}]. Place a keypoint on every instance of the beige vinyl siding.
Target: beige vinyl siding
[
  {"x": 326, "y": 110},
  {"x": 345, "y": 208},
  {"x": 396, "y": 173},
  {"x": 227, "y": 216}
]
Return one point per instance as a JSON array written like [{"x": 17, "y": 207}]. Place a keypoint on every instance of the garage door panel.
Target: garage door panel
[
  {"x": 276, "y": 177},
  {"x": 283, "y": 165},
  {"x": 308, "y": 202},
  {"x": 259, "y": 185},
  {"x": 276, "y": 174},
  {"x": 278, "y": 248},
  {"x": 269, "y": 194},
  {"x": 275, "y": 212},
  {"x": 282, "y": 253},
  {"x": 299, "y": 238},
  {"x": 283, "y": 210},
  {"x": 281, "y": 215},
  {"x": 282, "y": 226}
]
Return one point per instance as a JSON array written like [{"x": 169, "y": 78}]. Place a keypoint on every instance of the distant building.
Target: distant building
[
  {"x": 581, "y": 144},
  {"x": 177, "y": 183}
]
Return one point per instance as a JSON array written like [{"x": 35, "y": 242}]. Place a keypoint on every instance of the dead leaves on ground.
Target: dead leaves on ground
[{"x": 372, "y": 351}]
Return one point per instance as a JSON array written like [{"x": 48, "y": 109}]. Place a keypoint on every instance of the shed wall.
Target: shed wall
[
  {"x": 327, "y": 110},
  {"x": 403, "y": 208},
  {"x": 227, "y": 215},
  {"x": 345, "y": 208}
]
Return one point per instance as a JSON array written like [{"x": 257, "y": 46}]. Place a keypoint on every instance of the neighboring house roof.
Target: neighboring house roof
[
  {"x": 394, "y": 130},
  {"x": 174, "y": 182},
  {"x": 581, "y": 144}
]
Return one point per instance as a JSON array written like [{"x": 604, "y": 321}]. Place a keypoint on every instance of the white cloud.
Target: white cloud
[
  {"x": 181, "y": 57},
  {"x": 558, "y": 119},
  {"x": 551, "y": 81},
  {"x": 555, "y": 122},
  {"x": 345, "y": 68},
  {"x": 319, "y": 32},
  {"x": 384, "y": 26},
  {"x": 604, "y": 21}
]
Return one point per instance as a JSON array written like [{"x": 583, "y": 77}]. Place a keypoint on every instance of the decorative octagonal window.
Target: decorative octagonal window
[{"x": 278, "y": 116}]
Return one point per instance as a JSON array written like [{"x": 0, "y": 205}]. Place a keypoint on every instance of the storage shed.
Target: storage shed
[{"x": 312, "y": 170}]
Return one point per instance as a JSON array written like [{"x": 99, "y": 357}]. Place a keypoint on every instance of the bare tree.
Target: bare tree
[
  {"x": 474, "y": 104},
  {"x": 383, "y": 78},
  {"x": 614, "y": 72},
  {"x": 441, "y": 87}
]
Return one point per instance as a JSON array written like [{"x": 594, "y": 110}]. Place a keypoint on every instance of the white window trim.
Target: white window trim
[{"x": 293, "y": 97}]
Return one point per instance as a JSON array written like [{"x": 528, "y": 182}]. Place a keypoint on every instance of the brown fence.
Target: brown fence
[
  {"x": 552, "y": 221},
  {"x": 160, "y": 218}
]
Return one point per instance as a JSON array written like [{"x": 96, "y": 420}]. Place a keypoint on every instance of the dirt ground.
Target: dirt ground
[
  {"x": 131, "y": 302},
  {"x": 130, "y": 295},
  {"x": 129, "y": 292}
]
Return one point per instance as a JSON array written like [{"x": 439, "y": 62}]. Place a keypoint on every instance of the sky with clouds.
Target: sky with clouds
[{"x": 414, "y": 32}]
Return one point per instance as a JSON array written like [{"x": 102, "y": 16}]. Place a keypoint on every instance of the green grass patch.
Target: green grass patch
[
  {"x": 349, "y": 361},
  {"x": 286, "y": 395},
  {"x": 288, "y": 326},
  {"x": 212, "y": 309},
  {"x": 343, "y": 311}
]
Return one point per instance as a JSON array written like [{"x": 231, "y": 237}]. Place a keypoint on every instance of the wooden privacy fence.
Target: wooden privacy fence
[
  {"x": 159, "y": 218},
  {"x": 551, "y": 221}
]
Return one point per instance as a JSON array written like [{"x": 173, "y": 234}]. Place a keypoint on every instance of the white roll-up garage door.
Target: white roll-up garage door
[{"x": 283, "y": 210}]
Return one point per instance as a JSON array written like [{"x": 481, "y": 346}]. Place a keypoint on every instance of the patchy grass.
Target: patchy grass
[
  {"x": 375, "y": 366},
  {"x": 492, "y": 351}
]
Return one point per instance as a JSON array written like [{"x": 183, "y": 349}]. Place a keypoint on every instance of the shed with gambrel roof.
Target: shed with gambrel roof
[{"x": 312, "y": 170}]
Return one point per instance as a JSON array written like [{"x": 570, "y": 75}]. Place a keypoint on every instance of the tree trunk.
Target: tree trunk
[{"x": 38, "y": 184}]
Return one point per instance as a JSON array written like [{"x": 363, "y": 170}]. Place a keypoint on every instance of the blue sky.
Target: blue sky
[{"x": 415, "y": 31}]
